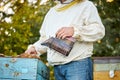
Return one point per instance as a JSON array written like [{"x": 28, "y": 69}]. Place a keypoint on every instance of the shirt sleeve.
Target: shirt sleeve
[
  {"x": 37, "y": 45},
  {"x": 92, "y": 28}
]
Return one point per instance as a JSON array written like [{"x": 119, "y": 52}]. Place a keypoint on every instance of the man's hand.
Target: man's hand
[
  {"x": 65, "y": 32},
  {"x": 31, "y": 50}
]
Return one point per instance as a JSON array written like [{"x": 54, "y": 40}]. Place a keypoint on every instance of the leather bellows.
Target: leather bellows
[{"x": 62, "y": 46}]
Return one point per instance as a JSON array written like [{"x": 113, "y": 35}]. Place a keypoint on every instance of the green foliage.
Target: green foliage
[
  {"x": 110, "y": 14},
  {"x": 24, "y": 29}
]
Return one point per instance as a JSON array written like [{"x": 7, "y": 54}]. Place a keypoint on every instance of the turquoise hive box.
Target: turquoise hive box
[{"x": 23, "y": 69}]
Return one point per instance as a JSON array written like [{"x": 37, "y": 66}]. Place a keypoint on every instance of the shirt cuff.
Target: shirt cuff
[{"x": 76, "y": 34}]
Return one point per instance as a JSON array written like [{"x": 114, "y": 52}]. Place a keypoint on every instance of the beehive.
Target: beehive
[
  {"x": 23, "y": 69},
  {"x": 106, "y": 68}
]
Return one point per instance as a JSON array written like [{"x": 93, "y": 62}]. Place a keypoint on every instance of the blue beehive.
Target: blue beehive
[{"x": 23, "y": 69}]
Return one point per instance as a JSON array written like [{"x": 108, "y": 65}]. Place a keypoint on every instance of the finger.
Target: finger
[
  {"x": 61, "y": 35},
  {"x": 64, "y": 36},
  {"x": 58, "y": 35},
  {"x": 33, "y": 52},
  {"x": 27, "y": 52},
  {"x": 59, "y": 31}
]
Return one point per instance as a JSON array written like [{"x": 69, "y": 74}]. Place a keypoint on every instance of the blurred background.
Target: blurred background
[{"x": 20, "y": 21}]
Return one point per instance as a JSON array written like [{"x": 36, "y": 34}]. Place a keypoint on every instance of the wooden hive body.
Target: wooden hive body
[
  {"x": 23, "y": 69},
  {"x": 103, "y": 66}
]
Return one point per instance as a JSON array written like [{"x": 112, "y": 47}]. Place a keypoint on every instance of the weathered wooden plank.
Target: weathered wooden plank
[
  {"x": 22, "y": 68},
  {"x": 106, "y": 67},
  {"x": 103, "y": 65},
  {"x": 104, "y": 60},
  {"x": 104, "y": 75}
]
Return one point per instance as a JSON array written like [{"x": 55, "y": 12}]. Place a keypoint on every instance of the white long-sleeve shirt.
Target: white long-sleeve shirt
[{"x": 88, "y": 28}]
